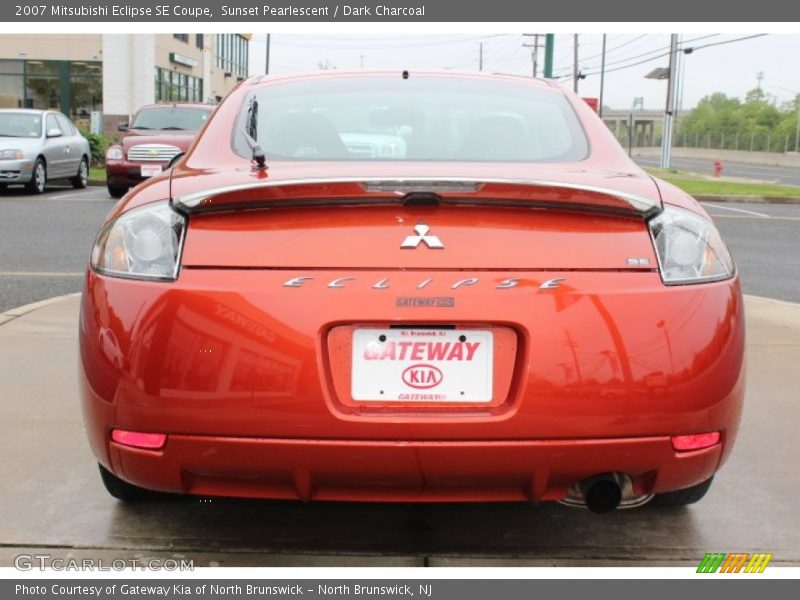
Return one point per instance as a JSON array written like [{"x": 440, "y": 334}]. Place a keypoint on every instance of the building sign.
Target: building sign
[{"x": 182, "y": 60}]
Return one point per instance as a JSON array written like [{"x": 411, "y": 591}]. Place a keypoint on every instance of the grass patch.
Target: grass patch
[
  {"x": 97, "y": 174},
  {"x": 699, "y": 186}
]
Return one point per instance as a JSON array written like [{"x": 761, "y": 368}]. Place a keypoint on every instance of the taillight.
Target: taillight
[
  {"x": 138, "y": 439},
  {"x": 697, "y": 441}
]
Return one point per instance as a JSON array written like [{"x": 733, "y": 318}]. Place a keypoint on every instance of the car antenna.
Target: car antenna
[{"x": 258, "y": 155}]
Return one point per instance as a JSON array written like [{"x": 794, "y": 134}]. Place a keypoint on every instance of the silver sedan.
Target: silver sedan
[{"x": 37, "y": 146}]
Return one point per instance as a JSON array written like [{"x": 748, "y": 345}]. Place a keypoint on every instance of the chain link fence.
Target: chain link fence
[{"x": 745, "y": 141}]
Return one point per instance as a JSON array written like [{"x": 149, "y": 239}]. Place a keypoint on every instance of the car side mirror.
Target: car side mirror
[
  {"x": 51, "y": 133},
  {"x": 122, "y": 127}
]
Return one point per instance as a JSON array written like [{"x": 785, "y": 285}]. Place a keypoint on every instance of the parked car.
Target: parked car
[
  {"x": 157, "y": 135},
  {"x": 417, "y": 287},
  {"x": 37, "y": 146}
]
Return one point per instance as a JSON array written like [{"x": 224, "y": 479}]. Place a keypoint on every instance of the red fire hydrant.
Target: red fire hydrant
[{"x": 717, "y": 168}]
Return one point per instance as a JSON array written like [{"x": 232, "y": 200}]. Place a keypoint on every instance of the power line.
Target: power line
[
  {"x": 722, "y": 43},
  {"x": 685, "y": 50},
  {"x": 619, "y": 61}
]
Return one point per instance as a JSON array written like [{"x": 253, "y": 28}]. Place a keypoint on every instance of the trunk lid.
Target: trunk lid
[{"x": 553, "y": 219}]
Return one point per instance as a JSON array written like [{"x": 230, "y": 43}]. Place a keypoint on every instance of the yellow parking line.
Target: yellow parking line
[{"x": 40, "y": 274}]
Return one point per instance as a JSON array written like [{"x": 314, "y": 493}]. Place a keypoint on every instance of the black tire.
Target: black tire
[
  {"x": 683, "y": 497},
  {"x": 81, "y": 180},
  {"x": 122, "y": 490},
  {"x": 38, "y": 183},
  {"x": 117, "y": 192}
]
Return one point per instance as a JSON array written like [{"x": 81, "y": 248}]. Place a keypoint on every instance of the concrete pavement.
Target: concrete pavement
[{"x": 53, "y": 501}]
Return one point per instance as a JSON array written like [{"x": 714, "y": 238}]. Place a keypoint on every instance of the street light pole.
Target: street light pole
[
  {"x": 666, "y": 138},
  {"x": 797, "y": 132},
  {"x": 575, "y": 70},
  {"x": 602, "y": 79},
  {"x": 266, "y": 68}
]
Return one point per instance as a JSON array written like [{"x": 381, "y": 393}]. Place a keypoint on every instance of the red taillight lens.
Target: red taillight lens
[
  {"x": 697, "y": 441},
  {"x": 138, "y": 439}
]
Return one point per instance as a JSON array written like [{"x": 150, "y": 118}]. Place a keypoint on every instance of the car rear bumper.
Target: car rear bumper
[
  {"x": 406, "y": 471},
  {"x": 250, "y": 382}
]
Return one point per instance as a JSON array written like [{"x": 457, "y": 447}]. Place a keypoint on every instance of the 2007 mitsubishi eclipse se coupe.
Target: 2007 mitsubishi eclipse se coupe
[{"x": 411, "y": 287}]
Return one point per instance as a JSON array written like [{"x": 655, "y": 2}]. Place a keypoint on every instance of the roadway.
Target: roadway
[
  {"x": 778, "y": 175},
  {"x": 45, "y": 243}
]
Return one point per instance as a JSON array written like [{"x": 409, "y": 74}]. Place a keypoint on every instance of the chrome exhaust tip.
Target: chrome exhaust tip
[
  {"x": 604, "y": 493},
  {"x": 602, "y": 496}
]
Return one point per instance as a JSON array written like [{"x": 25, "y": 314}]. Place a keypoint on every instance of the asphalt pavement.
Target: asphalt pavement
[
  {"x": 765, "y": 242},
  {"x": 778, "y": 175},
  {"x": 45, "y": 241}
]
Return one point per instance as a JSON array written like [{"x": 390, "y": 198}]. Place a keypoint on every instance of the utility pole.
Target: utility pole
[
  {"x": 534, "y": 52},
  {"x": 759, "y": 79},
  {"x": 575, "y": 71},
  {"x": 797, "y": 132},
  {"x": 666, "y": 141},
  {"x": 602, "y": 78},
  {"x": 266, "y": 68},
  {"x": 480, "y": 56},
  {"x": 361, "y": 58},
  {"x": 549, "y": 50}
]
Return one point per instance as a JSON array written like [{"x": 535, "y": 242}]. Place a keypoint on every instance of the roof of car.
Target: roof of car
[
  {"x": 545, "y": 83},
  {"x": 198, "y": 105},
  {"x": 33, "y": 111}
]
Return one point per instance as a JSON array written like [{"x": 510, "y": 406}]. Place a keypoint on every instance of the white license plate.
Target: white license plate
[
  {"x": 151, "y": 170},
  {"x": 422, "y": 365}
]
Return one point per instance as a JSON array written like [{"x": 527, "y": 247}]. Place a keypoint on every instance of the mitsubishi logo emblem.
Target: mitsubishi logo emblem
[{"x": 421, "y": 229}]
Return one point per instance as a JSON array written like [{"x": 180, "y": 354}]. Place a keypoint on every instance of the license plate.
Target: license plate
[
  {"x": 422, "y": 365},
  {"x": 151, "y": 170}
]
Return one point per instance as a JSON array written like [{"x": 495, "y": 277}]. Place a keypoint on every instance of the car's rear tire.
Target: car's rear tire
[
  {"x": 116, "y": 191},
  {"x": 122, "y": 490},
  {"x": 38, "y": 182},
  {"x": 683, "y": 497},
  {"x": 81, "y": 180}
]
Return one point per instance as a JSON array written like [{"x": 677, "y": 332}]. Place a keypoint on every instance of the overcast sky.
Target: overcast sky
[{"x": 731, "y": 68}]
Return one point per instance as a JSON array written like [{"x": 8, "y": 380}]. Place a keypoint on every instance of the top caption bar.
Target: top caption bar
[{"x": 206, "y": 11}]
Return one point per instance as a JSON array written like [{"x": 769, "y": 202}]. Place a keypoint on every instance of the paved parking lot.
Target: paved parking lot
[
  {"x": 45, "y": 243},
  {"x": 54, "y": 497}
]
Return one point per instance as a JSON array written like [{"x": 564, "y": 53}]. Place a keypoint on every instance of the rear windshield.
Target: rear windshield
[
  {"x": 20, "y": 125},
  {"x": 170, "y": 118},
  {"x": 416, "y": 119}
]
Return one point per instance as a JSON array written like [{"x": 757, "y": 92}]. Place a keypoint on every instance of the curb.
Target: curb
[
  {"x": 750, "y": 199},
  {"x": 19, "y": 311}
]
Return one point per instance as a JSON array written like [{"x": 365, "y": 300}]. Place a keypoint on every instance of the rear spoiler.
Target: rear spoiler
[{"x": 360, "y": 191}]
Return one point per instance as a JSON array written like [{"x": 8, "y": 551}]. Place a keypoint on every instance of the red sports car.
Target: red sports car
[{"x": 422, "y": 287}]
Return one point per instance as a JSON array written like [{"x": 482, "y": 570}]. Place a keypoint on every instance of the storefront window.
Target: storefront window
[
  {"x": 75, "y": 88},
  {"x": 43, "y": 84},
  {"x": 172, "y": 86}
]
